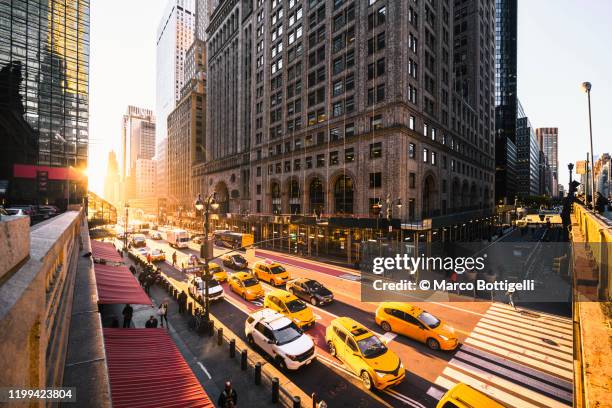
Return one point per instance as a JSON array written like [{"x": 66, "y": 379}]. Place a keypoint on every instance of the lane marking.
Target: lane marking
[
  {"x": 534, "y": 323},
  {"x": 542, "y": 347},
  {"x": 527, "y": 335},
  {"x": 527, "y": 325},
  {"x": 526, "y": 329},
  {"x": 435, "y": 392},
  {"x": 205, "y": 370}
]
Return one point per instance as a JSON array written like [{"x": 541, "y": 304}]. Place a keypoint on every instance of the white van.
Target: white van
[{"x": 177, "y": 238}]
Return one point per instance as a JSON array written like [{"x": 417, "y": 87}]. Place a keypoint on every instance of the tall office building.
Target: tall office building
[
  {"x": 203, "y": 11},
  {"x": 175, "y": 34},
  {"x": 548, "y": 139},
  {"x": 44, "y": 100},
  {"x": 527, "y": 159},
  {"x": 138, "y": 142},
  {"x": 329, "y": 107},
  {"x": 161, "y": 169},
  {"x": 506, "y": 102},
  {"x": 112, "y": 181}
]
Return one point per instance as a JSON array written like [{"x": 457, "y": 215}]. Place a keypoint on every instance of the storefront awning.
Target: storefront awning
[
  {"x": 117, "y": 285},
  {"x": 106, "y": 251},
  {"x": 146, "y": 369}
]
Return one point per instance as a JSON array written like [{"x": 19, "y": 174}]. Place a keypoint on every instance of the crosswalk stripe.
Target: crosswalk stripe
[
  {"x": 445, "y": 382},
  {"x": 487, "y": 389},
  {"x": 559, "y": 319},
  {"x": 543, "y": 319},
  {"x": 532, "y": 323},
  {"x": 507, "y": 385},
  {"x": 529, "y": 326},
  {"x": 519, "y": 357},
  {"x": 527, "y": 335},
  {"x": 522, "y": 350},
  {"x": 526, "y": 328},
  {"x": 540, "y": 348}
]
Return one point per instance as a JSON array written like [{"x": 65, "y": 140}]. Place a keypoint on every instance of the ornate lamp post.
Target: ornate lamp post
[
  {"x": 206, "y": 249},
  {"x": 586, "y": 86}
]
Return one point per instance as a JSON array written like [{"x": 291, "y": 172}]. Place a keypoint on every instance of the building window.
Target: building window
[
  {"x": 411, "y": 209},
  {"x": 297, "y": 165},
  {"x": 411, "y": 122},
  {"x": 376, "y": 122},
  {"x": 425, "y": 155},
  {"x": 411, "y": 150},
  {"x": 333, "y": 158},
  {"x": 375, "y": 150},
  {"x": 320, "y": 160},
  {"x": 309, "y": 162},
  {"x": 258, "y": 189},
  {"x": 349, "y": 130},
  {"x": 258, "y": 171},
  {"x": 433, "y": 158},
  {"x": 375, "y": 180},
  {"x": 349, "y": 155}
]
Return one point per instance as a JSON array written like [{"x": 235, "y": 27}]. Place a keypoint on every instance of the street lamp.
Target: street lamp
[
  {"x": 125, "y": 231},
  {"x": 586, "y": 86},
  {"x": 206, "y": 248}
]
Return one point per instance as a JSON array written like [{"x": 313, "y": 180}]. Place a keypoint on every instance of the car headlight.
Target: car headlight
[
  {"x": 291, "y": 357},
  {"x": 443, "y": 337},
  {"x": 401, "y": 365},
  {"x": 379, "y": 374}
]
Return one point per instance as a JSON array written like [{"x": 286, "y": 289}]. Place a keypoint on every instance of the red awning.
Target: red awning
[
  {"x": 105, "y": 250},
  {"x": 146, "y": 369},
  {"x": 117, "y": 285}
]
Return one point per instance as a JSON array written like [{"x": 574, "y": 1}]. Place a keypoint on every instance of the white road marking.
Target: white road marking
[
  {"x": 205, "y": 370},
  {"x": 388, "y": 337}
]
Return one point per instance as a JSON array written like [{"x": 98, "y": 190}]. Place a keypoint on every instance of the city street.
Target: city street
[{"x": 522, "y": 359}]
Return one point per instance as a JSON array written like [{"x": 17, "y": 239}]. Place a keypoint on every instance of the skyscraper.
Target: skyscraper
[
  {"x": 505, "y": 99},
  {"x": 527, "y": 159},
  {"x": 330, "y": 107},
  {"x": 138, "y": 142},
  {"x": 44, "y": 99},
  {"x": 548, "y": 139},
  {"x": 204, "y": 9},
  {"x": 112, "y": 181},
  {"x": 175, "y": 34}
]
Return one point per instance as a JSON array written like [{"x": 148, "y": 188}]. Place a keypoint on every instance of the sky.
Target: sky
[{"x": 561, "y": 43}]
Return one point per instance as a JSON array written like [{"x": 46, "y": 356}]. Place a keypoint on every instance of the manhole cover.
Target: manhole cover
[{"x": 550, "y": 342}]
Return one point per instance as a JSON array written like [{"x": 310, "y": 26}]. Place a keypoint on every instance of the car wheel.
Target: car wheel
[
  {"x": 314, "y": 301},
  {"x": 385, "y": 326},
  {"x": 250, "y": 340},
  {"x": 433, "y": 344},
  {"x": 366, "y": 380},
  {"x": 332, "y": 348}
]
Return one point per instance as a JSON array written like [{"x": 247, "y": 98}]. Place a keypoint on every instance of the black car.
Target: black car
[
  {"x": 310, "y": 290},
  {"x": 235, "y": 261}
]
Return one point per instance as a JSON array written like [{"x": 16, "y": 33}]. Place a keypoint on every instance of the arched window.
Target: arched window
[
  {"x": 317, "y": 199},
  {"x": 294, "y": 197},
  {"x": 276, "y": 198},
  {"x": 343, "y": 195}
]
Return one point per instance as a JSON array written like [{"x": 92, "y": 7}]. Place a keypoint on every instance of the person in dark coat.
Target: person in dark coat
[
  {"x": 142, "y": 277},
  {"x": 151, "y": 323},
  {"x": 182, "y": 301},
  {"x": 127, "y": 315},
  {"x": 229, "y": 397}
]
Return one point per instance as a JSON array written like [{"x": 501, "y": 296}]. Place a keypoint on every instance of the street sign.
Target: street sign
[{"x": 581, "y": 167}]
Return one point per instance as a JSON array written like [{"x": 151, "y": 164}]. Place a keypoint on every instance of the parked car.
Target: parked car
[
  {"x": 138, "y": 241},
  {"x": 16, "y": 211},
  {"x": 157, "y": 255},
  {"x": 280, "y": 338},
  {"x": 196, "y": 289},
  {"x": 155, "y": 235},
  {"x": 310, "y": 290},
  {"x": 364, "y": 353},
  {"x": 27, "y": 209},
  {"x": 235, "y": 261}
]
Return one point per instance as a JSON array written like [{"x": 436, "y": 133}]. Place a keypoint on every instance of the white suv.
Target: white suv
[
  {"x": 280, "y": 338},
  {"x": 196, "y": 289}
]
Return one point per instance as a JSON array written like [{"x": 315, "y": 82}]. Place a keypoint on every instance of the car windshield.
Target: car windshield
[
  {"x": 184, "y": 239},
  {"x": 371, "y": 347},
  {"x": 12, "y": 212},
  {"x": 429, "y": 320},
  {"x": 215, "y": 269},
  {"x": 295, "y": 305},
  {"x": 211, "y": 284},
  {"x": 314, "y": 285},
  {"x": 238, "y": 258},
  {"x": 277, "y": 269},
  {"x": 287, "y": 334},
  {"x": 250, "y": 282}
]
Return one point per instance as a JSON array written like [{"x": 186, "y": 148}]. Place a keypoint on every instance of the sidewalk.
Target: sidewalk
[{"x": 210, "y": 363}]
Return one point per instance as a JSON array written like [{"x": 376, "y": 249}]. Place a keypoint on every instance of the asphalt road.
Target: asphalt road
[{"x": 522, "y": 359}]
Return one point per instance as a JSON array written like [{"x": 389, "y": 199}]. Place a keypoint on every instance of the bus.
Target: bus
[{"x": 230, "y": 239}]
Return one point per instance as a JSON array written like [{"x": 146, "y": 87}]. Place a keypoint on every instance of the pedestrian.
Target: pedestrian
[
  {"x": 148, "y": 258},
  {"x": 510, "y": 295},
  {"x": 229, "y": 397},
  {"x": 147, "y": 284},
  {"x": 163, "y": 313},
  {"x": 142, "y": 277},
  {"x": 151, "y": 323},
  {"x": 182, "y": 301},
  {"x": 127, "y": 316},
  {"x": 174, "y": 259}
]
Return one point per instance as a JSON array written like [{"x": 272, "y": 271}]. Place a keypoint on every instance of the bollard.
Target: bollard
[
  {"x": 243, "y": 360},
  {"x": 219, "y": 336},
  {"x": 232, "y": 350},
  {"x": 211, "y": 328},
  {"x": 258, "y": 373},
  {"x": 297, "y": 403},
  {"x": 314, "y": 399},
  {"x": 275, "y": 390},
  {"x": 189, "y": 309}
]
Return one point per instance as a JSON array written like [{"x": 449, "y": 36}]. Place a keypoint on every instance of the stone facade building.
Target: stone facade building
[{"x": 338, "y": 108}]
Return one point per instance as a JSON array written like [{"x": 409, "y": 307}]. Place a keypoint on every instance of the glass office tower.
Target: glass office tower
[{"x": 44, "y": 68}]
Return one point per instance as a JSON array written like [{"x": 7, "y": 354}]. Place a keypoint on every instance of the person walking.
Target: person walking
[
  {"x": 151, "y": 323},
  {"x": 142, "y": 277},
  {"x": 174, "y": 259},
  {"x": 149, "y": 258},
  {"x": 147, "y": 284},
  {"x": 229, "y": 397},
  {"x": 163, "y": 313},
  {"x": 127, "y": 316},
  {"x": 182, "y": 301}
]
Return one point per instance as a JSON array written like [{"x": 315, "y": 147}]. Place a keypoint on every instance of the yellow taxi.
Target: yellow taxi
[
  {"x": 245, "y": 285},
  {"x": 290, "y": 306},
  {"x": 411, "y": 321},
  {"x": 217, "y": 272},
  {"x": 364, "y": 354},
  {"x": 271, "y": 272},
  {"x": 464, "y": 396}
]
